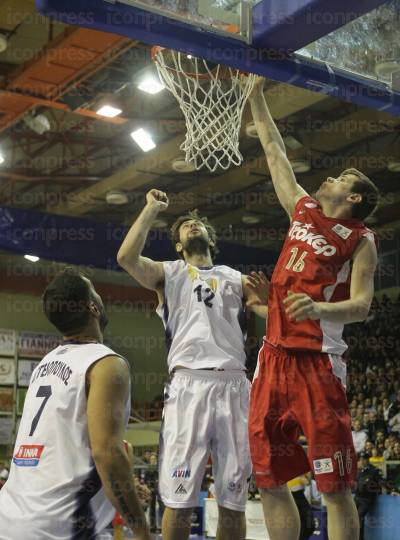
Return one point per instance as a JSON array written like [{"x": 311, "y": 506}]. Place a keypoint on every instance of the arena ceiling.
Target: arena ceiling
[{"x": 64, "y": 73}]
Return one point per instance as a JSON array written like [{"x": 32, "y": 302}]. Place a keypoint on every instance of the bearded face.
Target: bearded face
[
  {"x": 194, "y": 239},
  {"x": 196, "y": 245}
]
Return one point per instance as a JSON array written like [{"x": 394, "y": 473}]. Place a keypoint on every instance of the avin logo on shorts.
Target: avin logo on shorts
[
  {"x": 235, "y": 486},
  {"x": 181, "y": 473},
  {"x": 181, "y": 490},
  {"x": 323, "y": 466},
  {"x": 28, "y": 455}
]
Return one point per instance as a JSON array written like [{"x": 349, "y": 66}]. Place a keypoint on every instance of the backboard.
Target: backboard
[
  {"x": 230, "y": 18},
  {"x": 348, "y": 49}
]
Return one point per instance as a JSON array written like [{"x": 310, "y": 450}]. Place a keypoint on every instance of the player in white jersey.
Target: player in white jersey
[
  {"x": 70, "y": 470},
  {"x": 207, "y": 398}
]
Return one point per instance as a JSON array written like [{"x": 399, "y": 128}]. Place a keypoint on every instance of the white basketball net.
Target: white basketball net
[{"x": 212, "y": 101}]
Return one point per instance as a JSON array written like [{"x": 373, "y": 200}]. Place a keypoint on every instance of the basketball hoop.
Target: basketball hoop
[{"x": 212, "y": 98}]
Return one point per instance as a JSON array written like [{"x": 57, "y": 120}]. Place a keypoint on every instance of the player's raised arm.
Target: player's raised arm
[
  {"x": 108, "y": 383},
  {"x": 148, "y": 273},
  {"x": 286, "y": 187}
]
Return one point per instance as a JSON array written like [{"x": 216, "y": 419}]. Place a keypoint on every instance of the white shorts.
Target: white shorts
[{"x": 205, "y": 412}]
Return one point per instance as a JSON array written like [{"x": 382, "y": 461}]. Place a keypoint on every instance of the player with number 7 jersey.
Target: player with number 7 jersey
[{"x": 70, "y": 470}]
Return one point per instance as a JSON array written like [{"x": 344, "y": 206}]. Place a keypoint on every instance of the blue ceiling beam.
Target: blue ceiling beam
[{"x": 86, "y": 242}]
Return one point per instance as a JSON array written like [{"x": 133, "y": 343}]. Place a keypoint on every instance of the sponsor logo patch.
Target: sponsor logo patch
[
  {"x": 181, "y": 473},
  {"x": 180, "y": 490},
  {"x": 342, "y": 231},
  {"x": 323, "y": 466},
  {"x": 302, "y": 232},
  {"x": 28, "y": 455},
  {"x": 310, "y": 205}
]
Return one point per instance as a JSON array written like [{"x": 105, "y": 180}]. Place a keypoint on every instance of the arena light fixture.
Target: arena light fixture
[
  {"x": 160, "y": 223},
  {"x": 117, "y": 198},
  {"x": 3, "y": 42},
  {"x": 2, "y": 160},
  {"x": 32, "y": 258},
  {"x": 292, "y": 143},
  {"x": 251, "y": 130},
  {"x": 39, "y": 123},
  {"x": 151, "y": 85},
  {"x": 109, "y": 111},
  {"x": 180, "y": 165},
  {"x": 251, "y": 219},
  {"x": 300, "y": 166},
  {"x": 394, "y": 165},
  {"x": 143, "y": 139}
]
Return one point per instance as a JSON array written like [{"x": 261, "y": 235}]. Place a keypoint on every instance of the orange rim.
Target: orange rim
[{"x": 224, "y": 71}]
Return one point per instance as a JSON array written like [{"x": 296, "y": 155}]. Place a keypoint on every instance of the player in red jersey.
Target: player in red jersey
[{"x": 323, "y": 280}]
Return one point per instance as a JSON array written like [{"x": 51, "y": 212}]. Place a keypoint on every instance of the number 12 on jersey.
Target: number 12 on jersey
[
  {"x": 207, "y": 299},
  {"x": 297, "y": 266}
]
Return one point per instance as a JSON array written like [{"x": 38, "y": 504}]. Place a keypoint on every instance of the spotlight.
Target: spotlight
[
  {"x": 143, "y": 139},
  {"x": 38, "y": 123},
  {"x": 109, "y": 111},
  {"x": 3, "y": 42},
  {"x": 151, "y": 85}
]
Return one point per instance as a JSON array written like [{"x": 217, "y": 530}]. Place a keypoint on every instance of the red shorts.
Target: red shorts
[{"x": 296, "y": 392}]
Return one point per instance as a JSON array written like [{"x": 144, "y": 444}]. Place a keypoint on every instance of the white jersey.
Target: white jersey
[
  {"x": 203, "y": 317},
  {"x": 53, "y": 491}
]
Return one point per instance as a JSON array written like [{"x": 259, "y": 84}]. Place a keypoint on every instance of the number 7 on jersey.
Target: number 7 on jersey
[{"x": 43, "y": 392}]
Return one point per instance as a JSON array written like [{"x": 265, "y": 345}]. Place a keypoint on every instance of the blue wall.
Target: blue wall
[{"x": 384, "y": 522}]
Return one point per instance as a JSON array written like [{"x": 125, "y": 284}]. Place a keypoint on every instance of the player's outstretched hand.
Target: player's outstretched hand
[
  {"x": 300, "y": 306},
  {"x": 157, "y": 199},
  {"x": 143, "y": 492},
  {"x": 258, "y": 285}
]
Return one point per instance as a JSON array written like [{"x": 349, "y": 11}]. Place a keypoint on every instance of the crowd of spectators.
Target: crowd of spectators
[{"x": 374, "y": 381}]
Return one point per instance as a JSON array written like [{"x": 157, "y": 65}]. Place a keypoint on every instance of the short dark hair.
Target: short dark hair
[
  {"x": 368, "y": 191},
  {"x": 65, "y": 302},
  {"x": 194, "y": 214}
]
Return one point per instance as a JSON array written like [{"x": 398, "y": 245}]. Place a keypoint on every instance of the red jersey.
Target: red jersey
[{"x": 315, "y": 260}]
